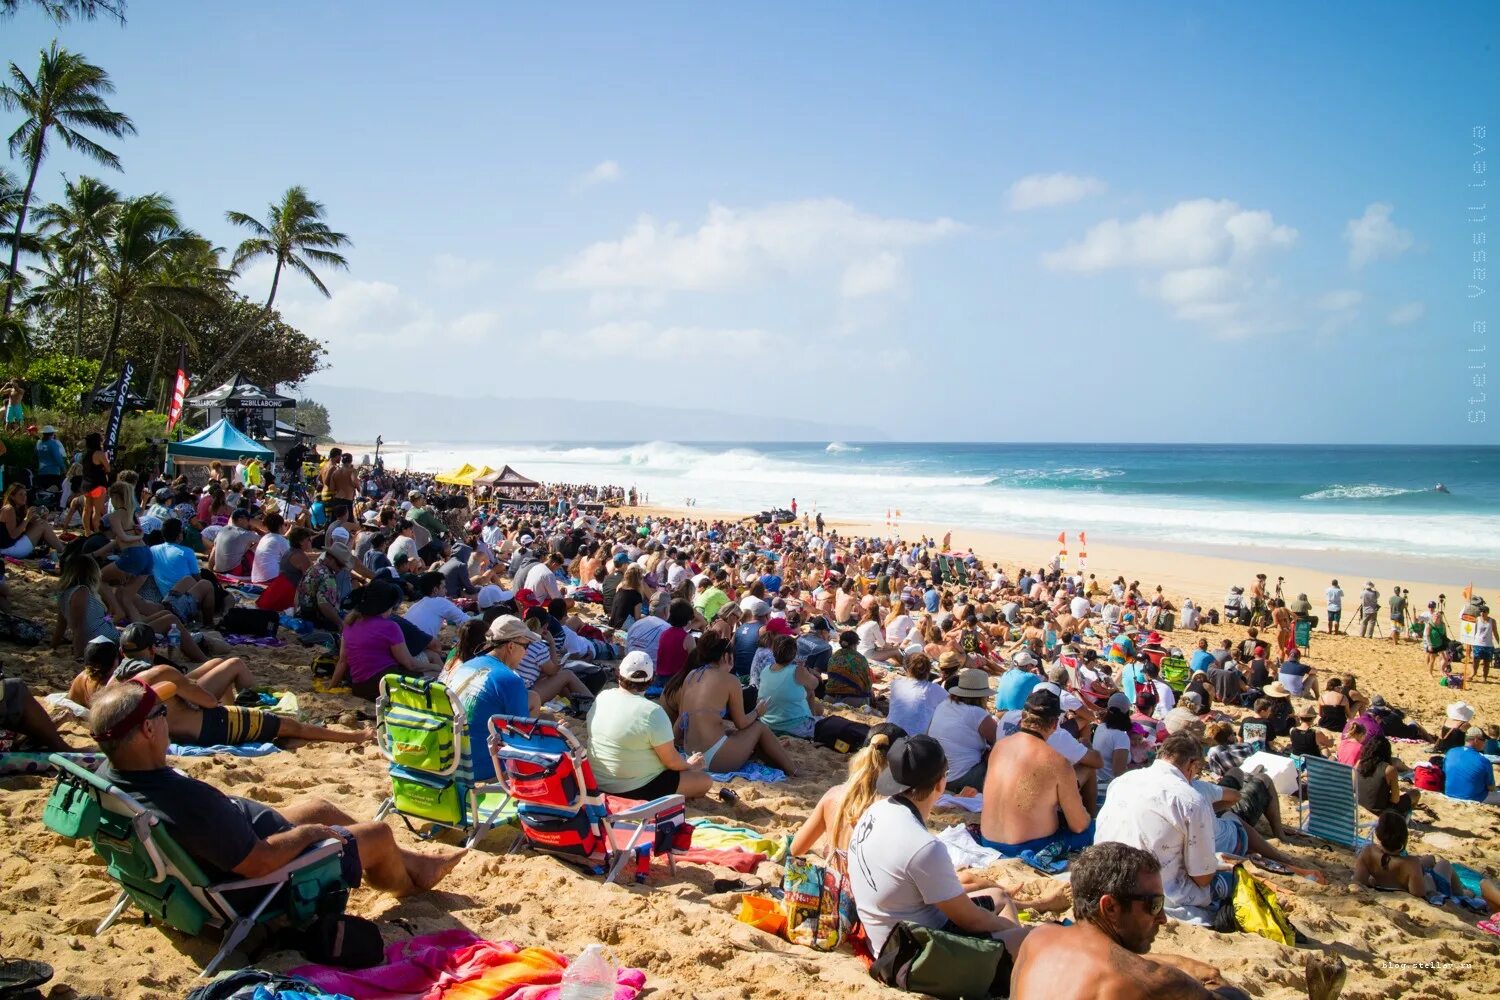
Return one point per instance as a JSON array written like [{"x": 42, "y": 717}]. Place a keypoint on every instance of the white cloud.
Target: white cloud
[
  {"x": 734, "y": 248},
  {"x": 614, "y": 301},
  {"x": 1189, "y": 234},
  {"x": 1373, "y": 235},
  {"x": 663, "y": 344},
  {"x": 1048, "y": 190},
  {"x": 452, "y": 271},
  {"x": 1406, "y": 314},
  {"x": 1340, "y": 300},
  {"x": 604, "y": 172},
  {"x": 875, "y": 275},
  {"x": 1204, "y": 259}
]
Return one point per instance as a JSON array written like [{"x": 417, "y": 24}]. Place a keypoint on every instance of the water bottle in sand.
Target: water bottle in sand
[
  {"x": 590, "y": 976},
  {"x": 174, "y": 636}
]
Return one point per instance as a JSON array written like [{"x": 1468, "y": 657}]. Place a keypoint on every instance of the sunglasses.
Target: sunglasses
[{"x": 1155, "y": 902}]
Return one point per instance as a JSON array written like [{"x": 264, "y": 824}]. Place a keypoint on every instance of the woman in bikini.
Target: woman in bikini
[
  {"x": 1333, "y": 707},
  {"x": 711, "y": 695},
  {"x": 1384, "y": 863},
  {"x": 95, "y": 482}
]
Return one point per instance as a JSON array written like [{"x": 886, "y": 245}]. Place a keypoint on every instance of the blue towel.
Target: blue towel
[
  {"x": 753, "y": 771},
  {"x": 244, "y": 750}
]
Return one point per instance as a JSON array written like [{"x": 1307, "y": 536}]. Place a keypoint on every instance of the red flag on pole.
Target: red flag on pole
[
  {"x": 1083, "y": 538},
  {"x": 1062, "y": 538},
  {"x": 179, "y": 390}
]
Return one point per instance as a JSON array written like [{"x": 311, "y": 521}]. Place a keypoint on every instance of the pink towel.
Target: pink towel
[
  {"x": 427, "y": 967},
  {"x": 730, "y": 857}
]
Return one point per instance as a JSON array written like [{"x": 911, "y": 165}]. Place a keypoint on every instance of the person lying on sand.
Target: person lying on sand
[
  {"x": 1119, "y": 904},
  {"x": 1385, "y": 864},
  {"x": 194, "y": 715},
  {"x": 228, "y": 835}
]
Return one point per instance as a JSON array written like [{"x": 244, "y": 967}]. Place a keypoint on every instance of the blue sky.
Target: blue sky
[{"x": 1153, "y": 221}]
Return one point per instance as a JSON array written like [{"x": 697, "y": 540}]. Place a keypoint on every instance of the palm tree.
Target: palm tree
[
  {"x": 295, "y": 234},
  {"x": 63, "y": 11},
  {"x": 66, "y": 99},
  {"x": 77, "y": 227},
  {"x": 134, "y": 267},
  {"x": 10, "y": 207},
  {"x": 191, "y": 274}
]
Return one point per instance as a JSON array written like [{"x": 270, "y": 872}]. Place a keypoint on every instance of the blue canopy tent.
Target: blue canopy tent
[{"x": 222, "y": 442}]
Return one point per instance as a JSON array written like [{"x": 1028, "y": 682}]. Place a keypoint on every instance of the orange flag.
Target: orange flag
[
  {"x": 1469, "y": 592},
  {"x": 1062, "y": 538}
]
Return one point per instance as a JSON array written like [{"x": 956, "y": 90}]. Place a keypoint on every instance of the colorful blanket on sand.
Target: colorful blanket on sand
[
  {"x": 753, "y": 771},
  {"x": 263, "y": 641},
  {"x": 456, "y": 965},
  {"x": 729, "y": 857},
  {"x": 14, "y": 762},
  {"x": 722, "y": 835},
  {"x": 243, "y": 750}
]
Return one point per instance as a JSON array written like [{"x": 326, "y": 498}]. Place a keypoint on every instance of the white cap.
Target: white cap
[
  {"x": 491, "y": 595},
  {"x": 341, "y": 535},
  {"x": 1070, "y": 702},
  {"x": 526, "y": 539},
  {"x": 637, "y": 666},
  {"x": 1024, "y": 659},
  {"x": 755, "y": 607}
]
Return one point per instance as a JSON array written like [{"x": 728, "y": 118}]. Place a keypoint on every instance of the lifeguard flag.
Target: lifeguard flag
[
  {"x": 1062, "y": 538},
  {"x": 1083, "y": 538},
  {"x": 1469, "y": 592},
  {"x": 179, "y": 390}
]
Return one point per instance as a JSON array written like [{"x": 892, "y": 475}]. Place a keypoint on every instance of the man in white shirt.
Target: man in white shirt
[
  {"x": 403, "y": 550},
  {"x": 269, "y": 551},
  {"x": 1335, "y": 595},
  {"x": 1079, "y": 607},
  {"x": 541, "y": 578},
  {"x": 1157, "y": 809}
]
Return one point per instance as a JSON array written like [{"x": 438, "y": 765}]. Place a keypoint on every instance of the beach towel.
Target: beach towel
[
  {"x": 16, "y": 762},
  {"x": 456, "y": 965},
  {"x": 973, "y": 803},
  {"x": 736, "y": 858},
  {"x": 722, "y": 835},
  {"x": 243, "y": 750},
  {"x": 965, "y": 851},
  {"x": 753, "y": 771},
  {"x": 263, "y": 641},
  {"x": 65, "y": 703}
]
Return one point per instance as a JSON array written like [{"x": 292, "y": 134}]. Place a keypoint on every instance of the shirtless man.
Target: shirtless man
[
  {"x": 1118, "y": 903},
  {"x": 1031, "y": 796},
  {"x": 344, "y": 485}
]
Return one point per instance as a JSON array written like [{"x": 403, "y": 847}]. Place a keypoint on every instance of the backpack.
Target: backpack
[
  {"x": 21, "y": 631},
  {"x": 949, "y": 966},
  {"x": 1253, "y": 909}
]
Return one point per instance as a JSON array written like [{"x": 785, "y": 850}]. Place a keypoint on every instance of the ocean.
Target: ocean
[{"x": 1377, "y": 500}]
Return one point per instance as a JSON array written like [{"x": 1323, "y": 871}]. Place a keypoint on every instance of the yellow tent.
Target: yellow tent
[
  {"x": 458, "y": 477},
  {"x": 483, "y": 470}
]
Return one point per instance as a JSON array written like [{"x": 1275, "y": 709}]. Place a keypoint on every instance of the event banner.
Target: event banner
[
  {"x": 117, "y": 415},
  {"x": 505, "y": 505},
  {"x": 179, "y": 390}
]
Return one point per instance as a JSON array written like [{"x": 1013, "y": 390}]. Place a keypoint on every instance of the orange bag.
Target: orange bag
[{"x": 763, "y": 913}]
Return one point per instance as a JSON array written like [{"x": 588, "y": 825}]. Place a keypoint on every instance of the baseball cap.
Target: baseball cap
[
  {"x": 341, "y": 536},
  {"x": 1192, "y": 698},
  {"x": 1043, "y": 703},
  {"x": 371, "y": 517},
  {"x": 1024, "y": 659},
  {"x": 779, "y": 626},
  {"x": 1119, "y": 700},
  {"x": 621, "y": 558},
  {"x": 509, "y": 628},
  {"x": 917, "y": 761},
  {"x": 240, "y": 513},
  {"x": 490, "y": 595},
  {"x": 526, "y": 539},
  {"x": 49, "y": 429},
  {"x": 637, "y": 666},
  {"x": 339, "y": 552},
  {"x": 136, "y": 637},
  {"x": 820, "y": 624},
  {"x": 755, "y": 607}
]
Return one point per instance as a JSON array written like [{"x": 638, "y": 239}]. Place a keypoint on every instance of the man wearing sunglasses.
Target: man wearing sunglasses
[{"x": 228, "y": 835}]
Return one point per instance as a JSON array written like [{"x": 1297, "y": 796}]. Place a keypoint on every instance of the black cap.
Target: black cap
[
  {"x": 1043, "y": 702},
  {"x": 917, "y": 761}
]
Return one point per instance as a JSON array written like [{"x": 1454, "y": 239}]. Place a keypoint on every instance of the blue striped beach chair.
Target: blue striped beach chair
[{"x": 1328, "y": 806}]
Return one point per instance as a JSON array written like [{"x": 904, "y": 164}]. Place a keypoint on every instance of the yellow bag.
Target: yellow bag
[{"x": 1256, "y": 910}]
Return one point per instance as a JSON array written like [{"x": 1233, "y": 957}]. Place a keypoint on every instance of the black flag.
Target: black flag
[{"x": 117, "y": 415}]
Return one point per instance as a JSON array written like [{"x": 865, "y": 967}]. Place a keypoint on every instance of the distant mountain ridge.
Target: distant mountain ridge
[{"x": 358, "y": 414}]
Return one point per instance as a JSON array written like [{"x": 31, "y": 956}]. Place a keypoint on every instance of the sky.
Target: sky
[{"x": 1146, "y": 222}]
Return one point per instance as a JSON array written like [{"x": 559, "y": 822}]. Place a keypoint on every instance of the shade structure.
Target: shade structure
[
  {"x": 506, "y": 478},
  {"x": 220, "y": 441},
  {"x": 104, "y": 399},
  {"x": 461, "y": 476},
  {"x": 239, "y": 393}
]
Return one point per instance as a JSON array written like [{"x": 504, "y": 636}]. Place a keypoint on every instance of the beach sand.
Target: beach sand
[{"x": 53, "y": 892}]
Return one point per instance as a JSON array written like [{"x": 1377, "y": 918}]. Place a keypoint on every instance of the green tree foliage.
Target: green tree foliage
[
  {"x": 313, "y": 418},
  {"x": 63, "y": 11},
  {"x": 57, "y": 381}
]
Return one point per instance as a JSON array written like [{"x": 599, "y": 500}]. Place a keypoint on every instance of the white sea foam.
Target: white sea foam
[
  {"x": 1362, "y": 491},
  {"x": 840, "y": 448}
]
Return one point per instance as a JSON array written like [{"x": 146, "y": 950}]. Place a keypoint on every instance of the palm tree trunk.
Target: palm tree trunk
[
  {"x": 109, "y": 350},
  {"x": 239, "y": 342},
  {"x": 156, "y": 364},
  {"x": 15, "y": 247},
  {"x": 78, "y": 310}
]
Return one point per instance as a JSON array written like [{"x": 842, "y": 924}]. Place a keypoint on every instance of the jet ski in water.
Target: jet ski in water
[{"x": 1440, "y": 488}]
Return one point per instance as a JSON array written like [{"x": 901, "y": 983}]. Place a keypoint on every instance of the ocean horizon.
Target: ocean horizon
[{"x": 1375, "y": 499}]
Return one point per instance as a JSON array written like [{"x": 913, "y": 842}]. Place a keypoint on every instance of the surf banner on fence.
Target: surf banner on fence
[{"x": 505, "y": 505}]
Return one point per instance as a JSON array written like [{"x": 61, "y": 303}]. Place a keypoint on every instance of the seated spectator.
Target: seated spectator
[
  {"x": 1228, "y": 682},
  {"x": 233, "y": 548},
  {"x": 228, "y": 835},
  {"x": 966, "y": 729},
  {"x": 81, "y": 611},
  {"x": 788, "y": 691},
  {"x": 900, "y": 872},
  {"x": 178, "y": 579},
  {"x": 675, "y": 644},
  {"x": 1187, "y": 716},
  {"x": 813, "y": 648},
  {"x": 431, "y": 609},
  {"x": 1119, "y": 903},
  {"x": 1296, "y": 676},
  {"x": 1016, "y": 683},
  {"x": 1467, "y": 772},
  {"x": 915, "y": 696},
  {"x": 630, "y": 741},
  {"x": 317, "y": 598},
  {"x": 1202, "y": 658},
  {"x": 1031, "y": 797},
  {"x": 24, "y": 717},
  {"x": 1384, "y": 863},
  {"x": 712, "y": 718},
  {"x": 270, "y": 550},
  {"x": 849, "y": 681},
  {"x": 1378, "y": 779},
  {"x": 455, "y": 570},
  {"x": 373, "y": 644},
  {"x": 542, "y": 669},
  {"x": 1306, "y": 739},
  {"x": 1158, "y": 810},
  {"x": 1111, "y": 741},
  {"x": 829, "y": 826},
  {"x": 486, "y": 683}
]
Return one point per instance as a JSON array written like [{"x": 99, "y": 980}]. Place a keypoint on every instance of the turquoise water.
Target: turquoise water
[{"x": 1374, "y": 499}]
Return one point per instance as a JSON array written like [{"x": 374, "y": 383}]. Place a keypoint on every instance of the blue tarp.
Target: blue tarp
[{"x": 220, "y": 441}]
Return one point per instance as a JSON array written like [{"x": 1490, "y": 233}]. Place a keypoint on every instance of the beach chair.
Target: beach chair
[
  {"x": 1174, "y": 670},
  {"x": 562, "y": 812},
  {"x": 157, "y": 876},
  {"x": 960, "y": 570},
  {"x": 940, "y": 570},
  {"x": 431, "y": 766},
  {"x": 1327, "y": 805}
]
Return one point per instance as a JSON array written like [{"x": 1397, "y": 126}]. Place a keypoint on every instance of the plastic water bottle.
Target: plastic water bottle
[
  {"x": 590, "y": 976},
  {"x": 174, "y": 637}
]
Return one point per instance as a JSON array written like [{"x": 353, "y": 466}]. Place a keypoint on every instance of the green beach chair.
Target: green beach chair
[
  {"x": 944, "y": 570},
  {"x": 431, "y": 762},
  {"x": 158, "y": 877},
  {"x": 1175, "y": 671},
  {"x": 1327, "y": 805},
  {"x": 960, "y": 570}
]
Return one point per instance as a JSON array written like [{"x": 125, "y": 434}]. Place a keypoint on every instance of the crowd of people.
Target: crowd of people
[{"x": 693, "y": 645}]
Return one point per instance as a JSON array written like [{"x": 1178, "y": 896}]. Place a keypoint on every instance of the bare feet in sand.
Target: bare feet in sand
[{"x": 427, "y": 870}]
